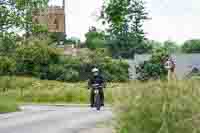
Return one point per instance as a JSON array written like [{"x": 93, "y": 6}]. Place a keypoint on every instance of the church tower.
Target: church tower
[{"x": 54, "y": 17}]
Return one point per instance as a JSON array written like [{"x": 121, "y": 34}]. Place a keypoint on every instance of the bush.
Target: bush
[
  {"x": 7, "y": 43},
  {"x": 62, "y": 73},
  {"x": 153, "y": 68},
  {"x": 158, "y": 107},
  {"x": 79, "y": 69},
  {"x": 7, "y": 65},
  {"x": 36, "y": 58},
  {"x": 126, "y": 47},
  {"x": 95, "y": 39},
  {"x": 115, "y": 70},
  {"x": 97, "y": 43},
  {"x": 112, "y": 70},
  {"x": 33, "y": 57},
  {"x": 191, "y": 46}
]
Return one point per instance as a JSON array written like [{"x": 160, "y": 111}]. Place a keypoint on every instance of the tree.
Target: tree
[
  {"x": 95, "y": 39},
  {"x": 7, "y": 43},
  {"x": 154, "y": 44},
  {"x": 191, "y": 46},
  {"x": 18, "y": 13},
  {"x": 40, "y": 30},
  {"x": 171, "y": 46},
  {"x": 26, "y": 7},
  {"x": 8, "y": 16},
  {"x": 125, "y": 19}
]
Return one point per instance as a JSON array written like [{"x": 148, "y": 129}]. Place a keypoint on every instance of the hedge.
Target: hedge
[{"x": 40, "y": 60}]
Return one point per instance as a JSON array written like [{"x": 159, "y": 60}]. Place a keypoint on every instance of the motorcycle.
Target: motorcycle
[{"x": 97, "y": 98}]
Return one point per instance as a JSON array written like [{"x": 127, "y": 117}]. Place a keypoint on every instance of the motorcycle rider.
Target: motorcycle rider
[{"x": 96, "y": 79}]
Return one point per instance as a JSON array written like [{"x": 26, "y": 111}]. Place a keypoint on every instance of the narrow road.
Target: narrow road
[{"x": 52, "y": 119}]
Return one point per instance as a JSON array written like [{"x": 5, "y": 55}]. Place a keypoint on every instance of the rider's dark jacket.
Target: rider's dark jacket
[{"x": 96, "y": 80}]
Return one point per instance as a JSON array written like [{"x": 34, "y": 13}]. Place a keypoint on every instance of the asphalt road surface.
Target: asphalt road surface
[{"x": 52, "y": 119}]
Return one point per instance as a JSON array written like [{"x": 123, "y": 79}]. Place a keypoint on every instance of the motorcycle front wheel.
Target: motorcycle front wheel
[{"x": 98, "y": 102}]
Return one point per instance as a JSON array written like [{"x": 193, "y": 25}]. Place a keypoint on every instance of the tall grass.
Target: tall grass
[
  {"x": 44, "y": 91},
  {"x": 158, "y": 107}
]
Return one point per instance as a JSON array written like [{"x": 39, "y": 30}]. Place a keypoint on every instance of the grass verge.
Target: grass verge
[
  {"x": 158, "y": 107},
  {"x": 7, "y": 104},
  {"x": 32, "y": 90}
]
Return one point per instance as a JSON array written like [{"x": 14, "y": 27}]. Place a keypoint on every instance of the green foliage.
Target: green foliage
[
  {"x": 115, "y": 70},
  {"x": 26, "y": 7},
  {"x": 112, "y": 70},
  {"x": 171, "y": 46},
  {"x": 7, "y": 104},
  {"x": 125, "y": 19},
  {"x": 127, "y": 49},
  {"x": 7, "y": 65},
  {"x": 42, "y": 61},
  {"x": 157, "y": 107},
  {"x": 38, "y": 30},
  {"x": 144, "y": 47},
  {"x": 79, "y": 68},
  {"x": 18, "y": 14},
  {"x": 95, "y": 39},
  {"x": 153, "y": 68},
  {"x": 159, "y": 55},
  {"x": 64, "y": 72},
  {"x": 7, "y": 43},
  {"x": 191, "y": 46},
  {"x": 97, "y": 43},
  {"x": 70, "y": 41},
  {"x": 36, "y": 53},
  {"x": 154, "y": 44},
  {"x": 8, "y": 18},
  {"x": 34, "y": 56},
  {"x": 56, "y": 37},
  {"x": 120, "y": 48},
  {"x": 32, "y": 90}
]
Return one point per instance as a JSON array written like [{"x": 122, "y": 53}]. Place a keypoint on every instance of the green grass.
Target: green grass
[
  {"x": 7, "y": 104},
  {"x": 159, "y": 107},
  {"x": 153, "y": 107},
  {"x": 31, "y": 90}
]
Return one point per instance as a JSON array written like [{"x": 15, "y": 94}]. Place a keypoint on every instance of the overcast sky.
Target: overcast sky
[{"x": 178, "y": 20}]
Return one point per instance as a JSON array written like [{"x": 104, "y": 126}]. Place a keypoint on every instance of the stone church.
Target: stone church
[{"x": 54, "y": 17}]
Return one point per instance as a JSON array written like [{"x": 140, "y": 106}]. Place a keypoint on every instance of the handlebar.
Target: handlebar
[{"x": 97, "y": 86}]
